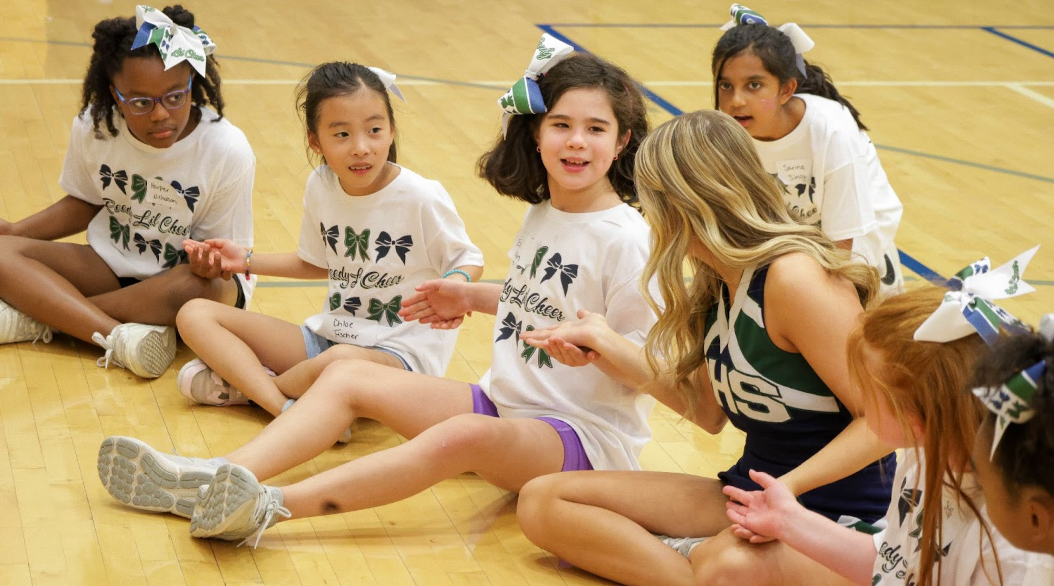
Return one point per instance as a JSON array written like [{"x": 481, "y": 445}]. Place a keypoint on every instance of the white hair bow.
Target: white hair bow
[
  {"x": 388, "y": 79},
  {"x": 968, "y": 307},
  {"x": 741, "y": 15},
  {"x": 525, "y": 97},
  {"x": 176, "y": 43}
]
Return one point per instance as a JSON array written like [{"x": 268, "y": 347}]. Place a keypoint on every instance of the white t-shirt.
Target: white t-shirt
[
  {"x": 832, "y": 179},
  {"x": 562, "y": 263},
  {"x": 153, "y": 199},
  {"x": 377, "y": 248},
  {"x": 962, "y": 553}
]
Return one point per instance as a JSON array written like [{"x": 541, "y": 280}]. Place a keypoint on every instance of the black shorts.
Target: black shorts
[{"x": 240, "y": 303}]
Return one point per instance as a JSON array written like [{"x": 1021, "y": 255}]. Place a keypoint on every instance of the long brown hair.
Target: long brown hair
[{"x": 924, "y": 382}]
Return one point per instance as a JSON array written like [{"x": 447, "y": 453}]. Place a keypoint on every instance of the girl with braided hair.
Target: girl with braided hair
[{"x": 151, "y": 161}]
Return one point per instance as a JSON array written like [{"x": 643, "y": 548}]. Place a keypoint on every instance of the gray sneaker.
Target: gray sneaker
[
  {"x": 236, "y": 506},
  {"x": 16, "y": 326},
  {"x": 143, "y": 478},
  {"x": 143, "y": 349}
]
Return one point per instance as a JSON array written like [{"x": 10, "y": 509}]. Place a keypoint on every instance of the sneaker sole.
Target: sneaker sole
[
  {"x": 228, "y": 503},
  {"x": 158, "y": 351},
  {"x": 140, "y": 477}
]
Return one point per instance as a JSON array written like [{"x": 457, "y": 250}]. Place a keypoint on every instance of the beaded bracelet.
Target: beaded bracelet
[
  {"x": 467, "y": 276},
  {"x": 248, "y": 262}
]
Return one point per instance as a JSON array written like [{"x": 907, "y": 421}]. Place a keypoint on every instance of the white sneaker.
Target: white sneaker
[
  {"x": 200, "y": 384},
  {"x": 16, "y": 326},
  {"x": 236, "y": 506},
  {"x": 143, "y": 349},
  {"x": 143, "y": 478}
]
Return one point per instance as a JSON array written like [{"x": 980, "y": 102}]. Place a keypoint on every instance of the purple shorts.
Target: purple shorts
[{"x": 575, "y": 457}]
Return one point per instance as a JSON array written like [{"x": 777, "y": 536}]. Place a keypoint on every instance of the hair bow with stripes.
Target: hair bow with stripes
[
  {"x": 741, "y": 15},
  {"x": 525, "y": 97},
  {"x": 1012, "y": 401},
  {"x": 176, "y": 43},
  {"x": 968, "y": 307}
]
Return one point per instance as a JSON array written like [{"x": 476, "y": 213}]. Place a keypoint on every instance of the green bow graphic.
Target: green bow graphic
[
  {"x": 120, "y": 233},
  {"x": 334, "y": 302},
  {"x": 538, "y": 256},
  {"x": 138, "y": 188},
  {"x": 357, "y": 242},
  {"x": 528, "y": 352},
  {"x": 378, "y": 310},
  {"x": 173, "y": 256}
]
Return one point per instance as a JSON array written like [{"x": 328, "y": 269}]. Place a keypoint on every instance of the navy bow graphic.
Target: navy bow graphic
[
  {"x": 402, "y": 245},
  {"x": 191, "y": 194},
  {"x": 119, "y": 232},
  {"x": 352, "y": 304},
  {"x": 567, "y": 272},
  {"x": 142, "y": 243},
  {"x": 119, "y": 178},
  {"x": 528, "y": 352},
  {"x": 509, "y": 327},
  {"x": 538, "y": 255},
  {"x": 330, "y": 235},
  {"x": 357, "y": 243}
]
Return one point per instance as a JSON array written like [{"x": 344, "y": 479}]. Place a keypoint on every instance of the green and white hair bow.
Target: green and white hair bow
[
  {"x": 176, "y": 43},
  {"x": 741, "y": 15},
  {"x": 388, "y": 79},
  {"x": 525, "y": 97},
  {"x": 1012, "y": 401},
  {"x": 968, "y": 307}
]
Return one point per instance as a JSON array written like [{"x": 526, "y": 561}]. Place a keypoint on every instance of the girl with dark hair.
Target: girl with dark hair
[
  {"x": 1014, "y": 450},
  {"x": 151, "y": 162},
  {"x": 372, "y": 228},
  {"x": 581, "y": 248},
  {"x": 809, "y": 137}
]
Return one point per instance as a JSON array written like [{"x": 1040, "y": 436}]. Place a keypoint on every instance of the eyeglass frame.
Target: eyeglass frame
[{"x": 155, "y": 101}]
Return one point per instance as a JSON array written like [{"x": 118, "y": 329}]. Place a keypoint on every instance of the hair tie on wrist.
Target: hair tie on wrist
[
  {"x": 467, "y": 276},
  {"x": 248, "y": 262}
]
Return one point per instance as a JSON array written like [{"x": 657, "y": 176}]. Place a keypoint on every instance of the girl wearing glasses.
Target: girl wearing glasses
[{"x": 151, "y": 162}]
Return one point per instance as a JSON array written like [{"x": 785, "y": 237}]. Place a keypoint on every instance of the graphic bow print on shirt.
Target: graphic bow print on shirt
[
  {"x": 330, "y": 235},
  {"x": 402, "y": 246},
  {"x": 119, "y": 233},
  {"x": 359, "y": 243},
  {"x": 567, "y": 272},
  {"x": 120, "y": 178},
  {"x": 190, "y": 194},
  {"x": 509, "y": 327},
  {"x": 390, "y": 311},
  {"x": 528, "y": 352},
  {"x": 142, "y": 244}
]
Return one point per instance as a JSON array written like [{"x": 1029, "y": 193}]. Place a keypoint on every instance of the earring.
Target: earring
[
  {"x": 616, "y": 157},
  {"x": 538, "y": 148}
]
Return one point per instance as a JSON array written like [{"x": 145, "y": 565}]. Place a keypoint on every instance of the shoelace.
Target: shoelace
[
  {"x": 44, "y": 335},
  {"x": 271, "y": 509},
  {"x": 106, "y": 344}
]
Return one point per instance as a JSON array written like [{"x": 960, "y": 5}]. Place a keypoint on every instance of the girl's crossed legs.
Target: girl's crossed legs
[{"x": 606, "y": 523}]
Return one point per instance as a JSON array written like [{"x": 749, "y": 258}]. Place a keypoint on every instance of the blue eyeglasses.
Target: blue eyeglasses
[{"x": 143, "y": 105}]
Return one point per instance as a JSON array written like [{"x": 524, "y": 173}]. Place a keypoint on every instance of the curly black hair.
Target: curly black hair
[
  {"x": 779, "y": 58},
  {"x": 113, "y": 42},
  {"x": 1026, "y": 450},
  {"x": 514, "y": 167}
]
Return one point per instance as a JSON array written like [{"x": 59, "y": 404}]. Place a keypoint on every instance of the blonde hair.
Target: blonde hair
[
  {"x": 700, "y": 182},
  {"x": 923, "y": 382}
]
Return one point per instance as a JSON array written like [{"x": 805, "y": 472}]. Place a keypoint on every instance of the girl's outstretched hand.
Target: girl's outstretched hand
[
  {"x": 204, "y": 261},
  {"x": 441, "y": 303},
  {"x": 229, "y": 256},
  {"x": 570, "y": 343},
  {"x": 760, "y": 515}
]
